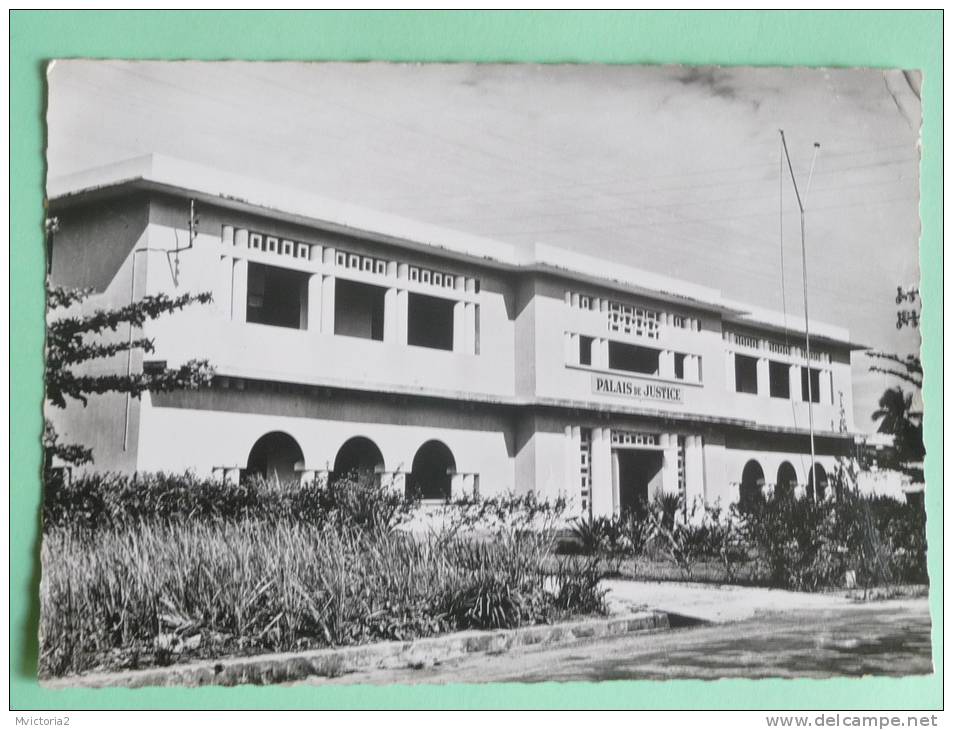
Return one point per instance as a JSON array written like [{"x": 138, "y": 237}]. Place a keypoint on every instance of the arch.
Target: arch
[
  {"x": 822, "y": 483},
  {"x": 358, "y": 455},
  {"x": 752, "y": 485},
  {"x": 275, "y": 457},
  {"x": 787, "y": 479},
  {"x": 432, "y": 471}
]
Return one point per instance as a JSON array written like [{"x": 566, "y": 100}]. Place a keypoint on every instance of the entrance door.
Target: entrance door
[{"x": 640, "y": 474}]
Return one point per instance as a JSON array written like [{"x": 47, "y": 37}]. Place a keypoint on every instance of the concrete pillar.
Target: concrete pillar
[
  {"x": 694, "y": 470},
  {"x": 616, "y": 506},
  {"x": 457, "y": 487},
  {"x": 223, "y": 287},
  {"x": 394, "y": 481},
  {"x": 669, "y": 443},
  {"x": 795, "y": 383},
  {"x": 470, "y": 328},
  {"x": 329, "y": 255},
  {"x": 402, "y": 316},
  {"x": 666, "y": 364},
  {"x": 327, "y": 303},
  {"x": 693, "y": 369},
  {"x": 717, "y": 480},
  {"x": 572, "y": 479},
  {"x": 306, "y": 476},
  {"x": 600, "y": 353},
  {"x": 601, "y": 473},
  {"x": 241, "y": 238},
  {"x": 314, "y": 302},
  {"x": 764, "y": 377},
  {"x": 390, "y": 315},
  {"x": 231, "y": 475},
  {"x": 228, "y": 235},
  {"x": 730, "y": 370},
  {"x": 239, "y": 290},
  {"x": 827, "y": 387},
  {"x": 459, "y": 311}
]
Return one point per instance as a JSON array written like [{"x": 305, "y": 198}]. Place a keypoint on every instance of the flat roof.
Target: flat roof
[{"x": 166, "y": 174}]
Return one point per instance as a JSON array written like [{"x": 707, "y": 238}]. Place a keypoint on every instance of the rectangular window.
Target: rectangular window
[
  {"x": 679, "y": 366},
  {"x": 815, "y": 389},
  {"x": 780, "y": 379},
  {"x": 633, "y": 358},
  {"x": 746, "y": 374},
  {"x": 585, "y": 350},
  {"x": 430, "y": 321},
  {"x": 277, "y": 296},
  {"x": 359, "y": 310}
]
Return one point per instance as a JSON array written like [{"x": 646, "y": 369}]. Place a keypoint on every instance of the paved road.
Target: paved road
[{"x": 888, "y": 638}]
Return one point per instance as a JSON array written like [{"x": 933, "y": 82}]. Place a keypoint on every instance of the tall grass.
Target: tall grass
[{"x": 119, "y": 592}]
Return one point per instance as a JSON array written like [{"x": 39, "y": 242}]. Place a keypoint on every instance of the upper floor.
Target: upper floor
[{"x": 308, "y": 291}]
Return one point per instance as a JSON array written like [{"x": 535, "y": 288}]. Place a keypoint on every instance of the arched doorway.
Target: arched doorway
[
  {"x": 752, "y": 485},
  {"x": 821, "y": 490},
  {"x": 360, "y": 457},
  {"x": 274, "y": 457},
  {"x": 787, "y": 479},
  {"x": 431, "y": 472}
]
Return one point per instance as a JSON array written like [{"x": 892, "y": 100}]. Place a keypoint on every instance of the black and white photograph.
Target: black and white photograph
[{"x": 385, "y": 373}]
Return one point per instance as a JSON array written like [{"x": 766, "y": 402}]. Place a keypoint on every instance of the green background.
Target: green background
[{"x": 905, "y": 39}]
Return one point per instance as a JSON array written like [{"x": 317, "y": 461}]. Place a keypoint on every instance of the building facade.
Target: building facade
[{"x": 444, "y": 363}]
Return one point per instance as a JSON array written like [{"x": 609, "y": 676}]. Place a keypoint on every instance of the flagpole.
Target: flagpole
[{"x": 807, "y": 323}]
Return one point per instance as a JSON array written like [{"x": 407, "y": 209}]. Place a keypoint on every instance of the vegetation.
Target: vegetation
[
  {"x": 782, "y": 541},
  {"x": 74, "y": 338},
  {"x": 147, "y": 571}
]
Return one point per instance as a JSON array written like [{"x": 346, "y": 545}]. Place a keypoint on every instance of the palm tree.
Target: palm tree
[{"x": 898, "y": 418}]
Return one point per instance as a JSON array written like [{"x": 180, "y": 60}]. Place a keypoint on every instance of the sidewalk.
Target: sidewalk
[{"x": 722, "y": 604}]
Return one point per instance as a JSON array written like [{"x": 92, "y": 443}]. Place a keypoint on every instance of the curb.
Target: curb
[{"x": 295, "y": 666}]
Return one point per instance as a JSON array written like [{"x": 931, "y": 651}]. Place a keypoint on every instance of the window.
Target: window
[
  {"x": 746, "y": 374},
  {"x": 633, "y": 358},
  {"x": 779, "y": 376},
  {"x": 430, "y": 321},
  {"x": 277, "y": 296},
  {"x": 815, "y": 394},
  {"x": 359, "y": 310},
  {"x": 585, "y": 350}
]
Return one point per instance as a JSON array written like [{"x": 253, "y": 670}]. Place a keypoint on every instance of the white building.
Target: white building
[{"x": 446, "y": 362}]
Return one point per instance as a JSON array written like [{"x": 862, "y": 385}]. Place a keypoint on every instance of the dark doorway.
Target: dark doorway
[
  {"x": 273, "y": 457},
  {"x": 639, "y": 472},
  {"x": 821, "y": 491},
  {"x": 787, "y": 479},
  {"x": 431, "y": 472},
  {"x": 358, "y": 457},
  {"x": 752, "y": 486}
]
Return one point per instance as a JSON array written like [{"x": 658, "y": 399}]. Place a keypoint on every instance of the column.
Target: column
[
  {"x": 694, "y": 470},
  {"x": 795, "y": 383},
  {"x": 601, "y": 471},
  {"x": 314, "y": 302},
  {"x": 459, "y": 309},
  {"x": 457, "y": 490},
  {"x": 394, "y": 481},
  {"x": 469, "y": 328},
  {"x": 390, "y": 315},
  {"x": 239, "y": 290},
  {"x": 306, "y": 476},
  {"x": 827, "y": 387},
  {"x": 223, "y": 289},
  {"x": 327, "y": 303},
  {"x": 730, "y": 370},
  {"x": 669, "y": 443},
  {"x": 764, "y": 377},
  {"x": 600, "y": 353},
  {"x": 401, "y": 316},
  {"x": 693, "y": 369},
  {"x": 666, "y": 364},
  {"x": 241, "y": 238},
  {"x": 231, "y": 474},
  {"x": 228, "y": 235},
  {"x": 616, "y": 507}
]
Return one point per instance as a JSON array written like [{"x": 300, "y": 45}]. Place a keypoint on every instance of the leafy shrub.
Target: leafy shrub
[
  {"x": 96, "y": 501},
  {"x": 577, "y": 587}
]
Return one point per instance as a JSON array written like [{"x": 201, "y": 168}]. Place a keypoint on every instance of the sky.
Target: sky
[{"x": 671, "y": 169}]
